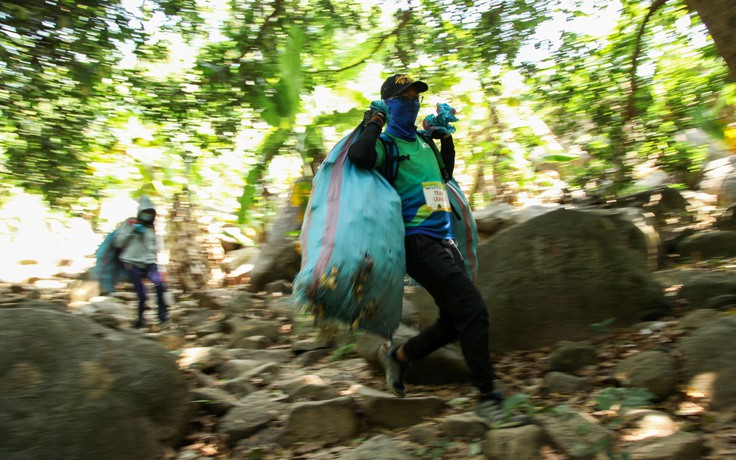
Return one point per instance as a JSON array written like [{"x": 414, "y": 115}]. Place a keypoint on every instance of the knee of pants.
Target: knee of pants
[{"x": 474, "y": 308}]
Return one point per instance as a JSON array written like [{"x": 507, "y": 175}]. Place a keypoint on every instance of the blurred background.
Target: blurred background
[{"x": 227, "y": 107}]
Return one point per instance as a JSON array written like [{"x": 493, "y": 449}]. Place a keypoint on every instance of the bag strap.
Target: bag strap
[
  {"x": 445, "y": 175},
  {"x": 391, "y": 164}
]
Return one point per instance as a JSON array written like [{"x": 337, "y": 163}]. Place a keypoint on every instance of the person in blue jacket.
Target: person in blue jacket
[
  {"x": 136, "y": 239},
  {"x": 432, "y": 258}
]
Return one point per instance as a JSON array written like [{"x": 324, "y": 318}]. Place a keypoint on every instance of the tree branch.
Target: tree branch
[
  {"x": 630, "y": 105},
  {"x": 278, "y": 8},
  {"x": 404, "y": 19}
]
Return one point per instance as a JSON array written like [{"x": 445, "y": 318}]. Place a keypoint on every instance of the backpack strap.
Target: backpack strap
[
  {"x": 440, "y": 162},
  {"x": 445, "y": 175},
  {"x": 391, "y": 164}
]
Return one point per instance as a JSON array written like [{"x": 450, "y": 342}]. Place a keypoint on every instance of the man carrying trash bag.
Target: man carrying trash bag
[{"x": 419, "y": 175}]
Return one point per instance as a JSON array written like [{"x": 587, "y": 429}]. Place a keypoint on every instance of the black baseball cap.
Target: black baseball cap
[{"x": 397, "y": 84}]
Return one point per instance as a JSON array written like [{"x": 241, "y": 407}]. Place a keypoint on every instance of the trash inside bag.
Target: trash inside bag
[{"x": 352, "y": 240}]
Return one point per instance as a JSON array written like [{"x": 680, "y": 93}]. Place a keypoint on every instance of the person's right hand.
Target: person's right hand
[
  {"x": 377, "y": 114},
  {"x": 139, "y": 228}
]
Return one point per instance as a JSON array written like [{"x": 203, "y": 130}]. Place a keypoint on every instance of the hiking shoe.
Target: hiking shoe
[
  {"x": 395, "y": 372},
  {"x": 492, "y": 412},
  {"x": 139, "y": 324}
]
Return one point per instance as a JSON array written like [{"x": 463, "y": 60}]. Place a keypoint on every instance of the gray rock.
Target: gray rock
[
  {"x": 328, "y": 421},
  {"x": 646, "y": 423},
  {"x": 213, "y": 400},
  {"x": 386, "y": 410},
  {"x": 696, "y": 319},
  {"x": 653, "y": 370},
  {"x": 572, "y": 356},
  {"x": 310, "y": 388},
  {"x": 379, "y": 447},
  {"x": 256, "y": 411},
  {"x": 276, "y": 356},
  {"x": 253, "y": 327},
  {"x": 699, "y": 290},
  {"x": 240, "y": 303},
  {"x": 679, "y": 446},
  {"x": 550, "y": 278},
  {"x": 708, "y": 361},
  {"x": 422, "y": 434},
  {"x": 312, "y": 357},
  {"x": 240, "y": 387},
  {"x": 235, "y": 368},
  {"x": 708, "y": 245},
  {"x": 560, "y": 382},
  {"x": 256, "y": 342},
  {"x": 208, "y": 327},
  {"x": 263, "y": 374},
  {"x": 463, "y": 426},
  {"x": 212, "y": 340},
  {"x": 576, "y": 434},
  {"x": 523, "y": 443},
  {"x": 72, "y": 389},
  {"x": 278, "y": 286},
  {"x": 722, "y": 302}
]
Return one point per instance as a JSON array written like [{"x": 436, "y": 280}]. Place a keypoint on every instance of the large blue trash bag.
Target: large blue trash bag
[
  {"x": 464, "y": 228},
  {"x": 352, "y": 240},
  {"x": 108, "y": 267}
]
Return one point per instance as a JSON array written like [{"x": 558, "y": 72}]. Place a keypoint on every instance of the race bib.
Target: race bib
[{"x": 435, "y": 195}]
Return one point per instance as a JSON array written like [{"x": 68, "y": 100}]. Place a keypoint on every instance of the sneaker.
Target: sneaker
[
  {"x": 139, "y": 324},
  {"x": 492, "y": 412},
  {"x": 395, "y": 372}
]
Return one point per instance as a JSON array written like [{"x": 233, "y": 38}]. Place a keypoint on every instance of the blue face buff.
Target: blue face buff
[
  {"x": 146, "y": 218},
  {"x": 403, "y": 116}
]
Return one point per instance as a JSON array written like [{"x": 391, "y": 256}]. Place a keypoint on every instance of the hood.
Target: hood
[{"x": 145, "y": 203}]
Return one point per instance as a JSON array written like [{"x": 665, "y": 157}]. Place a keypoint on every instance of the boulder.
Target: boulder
[
  {"x": 73, "y": 389},
  {"x": 552, "y": 277}
]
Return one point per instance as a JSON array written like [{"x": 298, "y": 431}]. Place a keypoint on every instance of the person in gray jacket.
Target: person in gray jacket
[{"x": 136, "y": 239}]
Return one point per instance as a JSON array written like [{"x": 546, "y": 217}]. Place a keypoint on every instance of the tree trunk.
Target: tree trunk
[
  {"x": 719, "y": 16},
  {"x": 195, "y": 255}
]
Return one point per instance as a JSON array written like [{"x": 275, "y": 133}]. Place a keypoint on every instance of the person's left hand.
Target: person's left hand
[
  {"x": 435, "y": 132},
  {"x": 438, "y": 126}
]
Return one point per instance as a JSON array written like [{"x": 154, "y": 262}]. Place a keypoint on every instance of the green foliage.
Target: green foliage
[
  {"x": 436, "y": 450},
  {"x": 205, "y": 80},
  {"x": 57, "y": 60},
  {"x": 609, "y": 399},
  {"x": 520, "y": 403},
  {"x": 604, "y": 326},
  {"x": 619, "y": 398},
  {"x": 621, "y": 118},
  {"x": 343, "y": 351}
]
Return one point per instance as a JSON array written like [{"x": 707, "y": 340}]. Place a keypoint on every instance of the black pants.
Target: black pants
[{"x": 439, "y": 268}]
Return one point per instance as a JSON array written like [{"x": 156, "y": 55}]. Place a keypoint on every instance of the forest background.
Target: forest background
[{"x": 232, "y": 101}]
